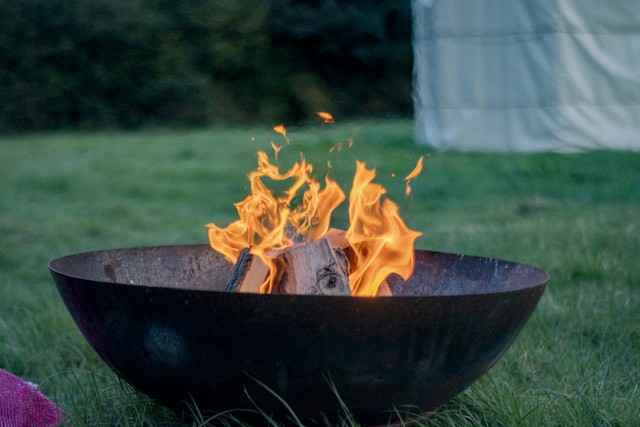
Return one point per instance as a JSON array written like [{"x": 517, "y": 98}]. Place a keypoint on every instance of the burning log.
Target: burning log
[
  {"x": 313, "y": 268},
  {"x": 320, "y": 268},
  {"x": 384, "y": 290},
  {"x": 248, "y": 273},
  {"x": 338, "y": 240}
]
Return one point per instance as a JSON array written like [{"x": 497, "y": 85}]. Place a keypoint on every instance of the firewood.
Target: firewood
[
  {"x": 319, "y": 268},
  {"x": 384, "y": 290},
  {"x": 248, "y": 273},
  {"x": 312, "y": 268},
  {"x": 337, "y": 238}
]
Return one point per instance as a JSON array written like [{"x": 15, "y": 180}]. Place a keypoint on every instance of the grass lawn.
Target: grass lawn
[{"x": 577, "y": 216}]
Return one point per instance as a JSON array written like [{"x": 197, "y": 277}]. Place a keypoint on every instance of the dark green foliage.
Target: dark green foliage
[
  {"x": 97, "y": 63},
  {"x": 358, "y": 54}
]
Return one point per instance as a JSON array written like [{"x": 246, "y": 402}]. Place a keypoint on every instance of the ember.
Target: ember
[
  {"x": 272, "y": 232},
  {"x": 326, "y": 117}
]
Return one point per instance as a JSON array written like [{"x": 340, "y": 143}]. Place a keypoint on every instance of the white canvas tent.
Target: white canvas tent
[{"x": 526, "y": 76}]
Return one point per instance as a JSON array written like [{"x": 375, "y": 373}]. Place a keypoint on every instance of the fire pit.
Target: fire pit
[{"x": 161, "y": 319}]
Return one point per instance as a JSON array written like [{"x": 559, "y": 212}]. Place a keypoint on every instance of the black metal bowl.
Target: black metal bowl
[{"x": 160, "y": 318}]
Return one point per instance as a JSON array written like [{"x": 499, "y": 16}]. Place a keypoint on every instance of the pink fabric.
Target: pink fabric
[{"x": 23, "y": 405}]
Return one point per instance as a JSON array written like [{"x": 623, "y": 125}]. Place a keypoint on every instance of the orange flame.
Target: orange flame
[
  {"x": 337, "y": 147},
  {"x": 276, "y": 149},
  {"x": 381, "y": 243},
  {"x": 413, "y": 174},
  {"x": 326, "y": 117},
  {"x": 267, "y": 222},
  {"x": 281, "y": 130}
]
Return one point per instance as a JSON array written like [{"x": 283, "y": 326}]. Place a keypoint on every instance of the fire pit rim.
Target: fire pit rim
[{"x": 53, "y": 265}]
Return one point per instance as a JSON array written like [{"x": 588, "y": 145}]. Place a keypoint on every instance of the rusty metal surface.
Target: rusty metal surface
[{"x": 159, "y": 317}]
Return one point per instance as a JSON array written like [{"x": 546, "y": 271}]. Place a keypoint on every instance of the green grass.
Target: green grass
[{"x": 577, "y": 216}]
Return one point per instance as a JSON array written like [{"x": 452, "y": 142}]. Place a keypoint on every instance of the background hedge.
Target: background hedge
[{"x": 106, "y": 63}]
